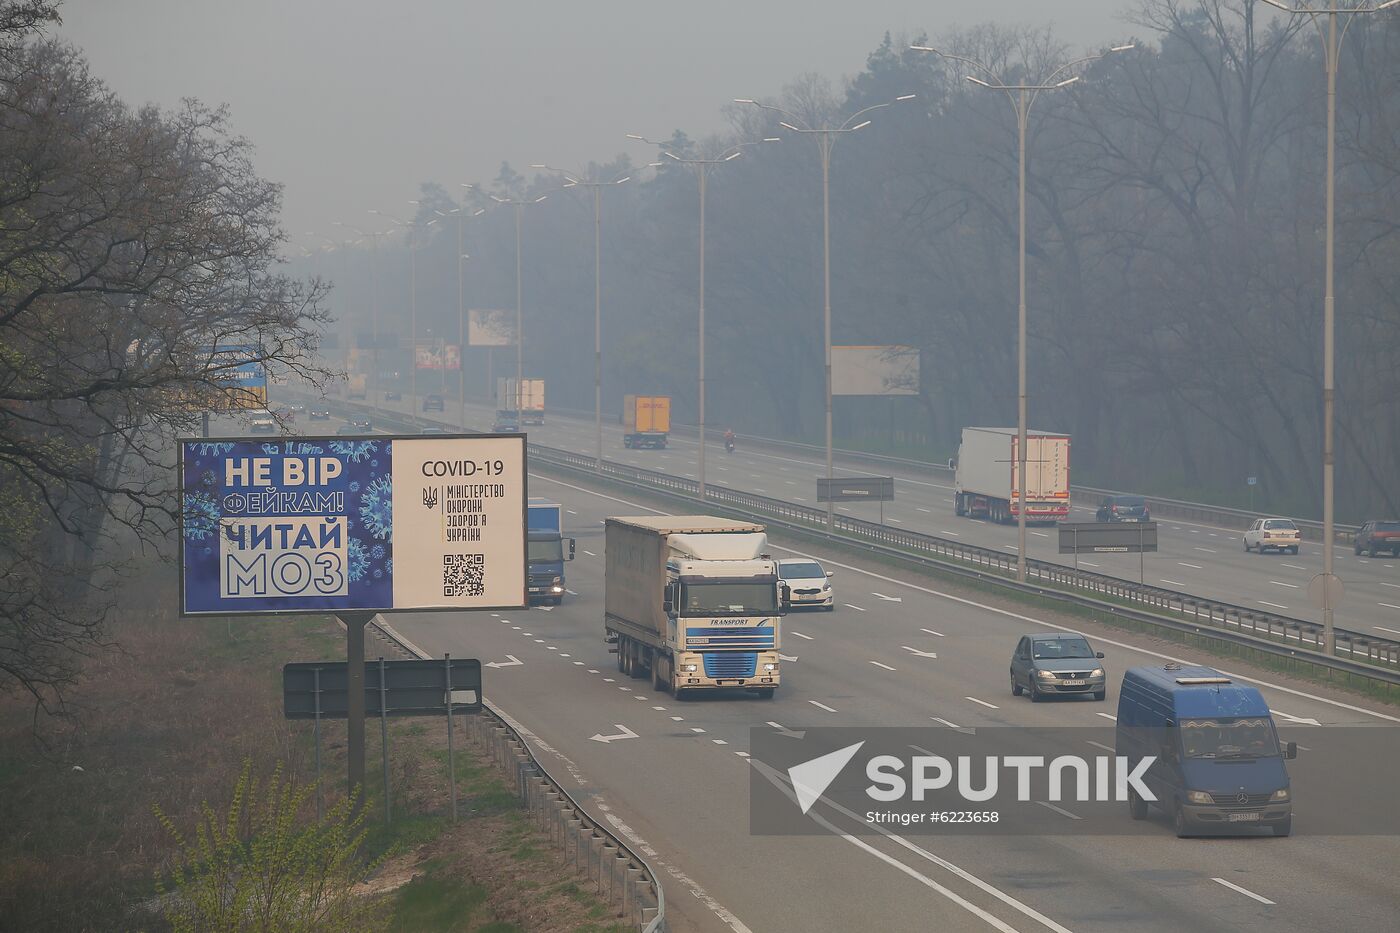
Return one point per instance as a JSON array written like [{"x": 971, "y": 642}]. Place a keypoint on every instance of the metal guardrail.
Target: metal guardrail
[
  {"x": 616, "y": 870},
  {"x": 1381, "y": 656},
  {"x": 1375, "y": 657},
  {"x": 1224, "y": 516}
]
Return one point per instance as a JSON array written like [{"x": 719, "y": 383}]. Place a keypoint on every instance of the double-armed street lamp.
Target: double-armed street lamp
[
  {"x": 415, "y": 230},
  {"x": 702, "y": 167},
  {"x": 1332, "y": 45},
  {"x": 519, "y": 204},
  {"x": 1022, "y": 97},
  {"x": 826, "y": 136},
  {"x": 577, "y": 180},
  {"x": 460, "y": 212},
  {"x": 374, "y": 237}
]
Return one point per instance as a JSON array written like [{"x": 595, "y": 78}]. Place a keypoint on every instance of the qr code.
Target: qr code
[{"x": 463, "y": 574}]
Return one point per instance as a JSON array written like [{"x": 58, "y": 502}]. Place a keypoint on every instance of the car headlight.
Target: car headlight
[
  {"x": 1198, "y": 796},
  {"x": 688, "y": 668},
  {"x": 1096, "y": 672},
  {"x": 770, "y": 667},
  {"x": 1045, "y": 675},
  {"x": 1279, "y": 795}
]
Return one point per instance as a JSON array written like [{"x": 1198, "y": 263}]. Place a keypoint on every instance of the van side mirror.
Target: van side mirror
[
  {"x": 1099, "y": 655},
  {"x": 571, "y": 549},
  {"x": 668, "y": 607},
  {"x": 785, "y": 596},
  {"x": 1290, "y": 751}
]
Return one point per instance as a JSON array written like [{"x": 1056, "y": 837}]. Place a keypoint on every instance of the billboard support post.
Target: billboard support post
[
  {"x": 316, "y": 738},
  {"x": 204, "y": 424},
  {"x": 384, "y": 739},
  {"x": 451, "y": 755},
  {"x": 355, "y": 623}
]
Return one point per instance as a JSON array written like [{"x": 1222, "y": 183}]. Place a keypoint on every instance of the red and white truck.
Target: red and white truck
[{"x": 985, "y": 477}]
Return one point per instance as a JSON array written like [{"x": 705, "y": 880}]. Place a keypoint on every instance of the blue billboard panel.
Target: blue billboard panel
[{"x": 308, "y": 524}]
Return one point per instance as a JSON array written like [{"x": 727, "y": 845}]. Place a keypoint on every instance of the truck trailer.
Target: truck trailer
[
  {"x": 985, "y": 479},
  {"x": 646, "y": 420},
  {"x": 693, "y": 601},
  {"x": 527, "y": 401},
  {"x": 546, "y": 550}
]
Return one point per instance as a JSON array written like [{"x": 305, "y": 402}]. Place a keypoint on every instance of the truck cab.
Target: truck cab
[
  {"x": 1219, "y": 764},
  {"x": 546, "y": 550}
]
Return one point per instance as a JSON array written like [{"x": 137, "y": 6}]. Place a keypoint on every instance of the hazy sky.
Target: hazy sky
[{"x": 352, "y": 103}]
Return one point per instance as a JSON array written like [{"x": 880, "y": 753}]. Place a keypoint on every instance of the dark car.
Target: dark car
[
  {"x": 347, "y": 429},
  {"x": 1123, "y": 509},
  {"x": 433, "y": 403},
  {"x": 362, "y": 425},
  {"x": 433, "y": 430},
  {"x": 506, "y": 423},
  {"x": 1054, "y": 665},
  {"x": 1374, "y": 537},
  {"x": 319, "y": 414},
  {"x": 393, "y": 396}
]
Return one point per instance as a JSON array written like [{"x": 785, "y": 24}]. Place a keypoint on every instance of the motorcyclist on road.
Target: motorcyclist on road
[{"x": 729, "y": 439}]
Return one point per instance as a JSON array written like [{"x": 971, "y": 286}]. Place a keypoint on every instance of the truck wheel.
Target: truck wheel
[
  {"x": 1357, "y": 549},
  {"x": 958, "y": 505},
  {"x": 1374, "y": 550},
  {"x": 658, "y": 668},
  {"x": 1137, "y": 807},
  {"x": 637, "y": 666},
  {"x": 622, "y": 655}
]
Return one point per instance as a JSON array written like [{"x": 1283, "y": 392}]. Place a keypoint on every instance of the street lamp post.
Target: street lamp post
[
  {"x": 1021, "y": 96},
  {"x": 520, "y": 204},
  {"x": 702, "y": 170},
  {"x": 414, "y": 244},
  {"x": 374, "y": 306},
  {"x": 597, "y": 186},
  {"x": 826, "y": 137},
  {"x": 462, "y": 257},
  {"x": 1332, "y": 46}
]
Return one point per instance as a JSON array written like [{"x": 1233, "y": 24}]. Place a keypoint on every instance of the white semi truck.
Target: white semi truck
[
  {"x": 693, "y": 601},
  {"x": 985, "y": 479}
]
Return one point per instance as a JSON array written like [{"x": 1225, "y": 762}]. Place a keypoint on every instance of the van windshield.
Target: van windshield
[
  {"x": 1228, "y": 738},
  {"x": 736, "y": 597}
]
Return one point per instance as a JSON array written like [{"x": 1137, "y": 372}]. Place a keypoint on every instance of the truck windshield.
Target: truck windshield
[
  {"x": 537, "y": 551},
  {"x": 1228, "y": 738},
  {"x": 730, "y": 598}
]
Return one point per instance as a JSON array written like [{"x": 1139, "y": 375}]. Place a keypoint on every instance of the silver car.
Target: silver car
[
  {"x": 808, "y": 584},
  {"x": 1056, "y": 665}
]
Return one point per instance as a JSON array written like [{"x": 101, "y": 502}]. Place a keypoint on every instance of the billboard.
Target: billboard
[
  {"x": 243, "y": 380},
  {"x": 888, "y": 370},
  {"x": 438, "y": 358},
  {"x": 333, "y": 524},
  {"x": 487, "y": 327}
]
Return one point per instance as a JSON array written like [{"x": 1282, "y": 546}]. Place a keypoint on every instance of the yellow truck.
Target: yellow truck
[
  {"x": 694, "y": 602},
  {"x": 646, "y": 420}
]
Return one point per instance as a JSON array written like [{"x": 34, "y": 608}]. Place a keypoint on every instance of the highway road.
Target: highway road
[
  {"x": 1199, "y": 559},
  {"x": 679, "y": 788}
]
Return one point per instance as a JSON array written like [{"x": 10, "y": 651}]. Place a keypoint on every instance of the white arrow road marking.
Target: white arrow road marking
[
  {"x": 885, "y": 666},
  {"x": 626, "y": 733},
  {"x": 1298, "y": 719},
  {"x": 1240, "y": 890},
  {"x": 511, "y": 663},
  {"x": 888, "y": 599},
  {"x": 784, "y": 657},
  {"x": 921, "y": 654},
  {"x": 811, "y": 778},
  {"x": 790, "y": 733}
]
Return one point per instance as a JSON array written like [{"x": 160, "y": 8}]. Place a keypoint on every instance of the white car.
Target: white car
[
  {"x": 1277, "y": 533},
  {"x": 808, "y": 584}
]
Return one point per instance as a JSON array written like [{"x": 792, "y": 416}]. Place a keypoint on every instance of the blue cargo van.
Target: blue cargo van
[
  {"x": 545, "y": 550},
  {"x": 1219, "y": 764}
]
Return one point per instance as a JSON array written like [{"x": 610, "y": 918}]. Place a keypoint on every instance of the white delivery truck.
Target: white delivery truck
[
  {"x": 694, "y": 601},
  {"x": 527, "y": 400},
  {"x": 985, "y": 479}
]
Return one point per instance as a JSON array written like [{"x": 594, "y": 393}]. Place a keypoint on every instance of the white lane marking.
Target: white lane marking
[
  {"x": 921, "y": 654},
  {"x": 538, "y": 641},
  {"x": 781, "y": 783},
  {"x": 1295, "y": 719},
  {"x": 983, "y": 702},
  {"x": 579, "y": 663},
  {"x": 638, "y": 696},
  {"x": 783, "y": 657},
  {"x": 1388, "y": 605},
  {"x": 1291, "y": 586},
  {"x": 571, "y": 511},
  {"x": 625, "y": 689},
  {"x": 1171, "y": 582},
  {"x": 1394, "y": 586},
  {"x": 897, "y": 521},
  {"x": 1205, "y": 549},
  {"x": 1265, "y": 602},
  {"x": 799, "y": 499},
  {"x": 888, "y": 599},
  {"x": 885, "y": 666},
  {"x": 1104, "y": 747},
  {"x": 626, "y": 733},
  {"x": 719, "y": 741},
  {"x": 1338, "y": 704},
  {"x": 932, "y": 632},
  {"x": 551, "y": 648},
  {"x": 608, "y": 680},
  {"x": 821, "y": 706},
  {"x": 563, "y": 655},
  {"x": 1109, "y": 716},
  {"x": 589, "y": 553},
  {"x": 1192, "y": 566},
  {"x": 801, "y": 635},
  {"x": 851, "y": 606},
  {"x": 1246, "y": 892},
  {"x": 659, "y": 708},
  {"x": 921, "y": 509},
  {"x": 1040, "y": 534},
  {"x": 953, "y": 534},
  {"x": 1051, "y": 806},
  {"x": 950, "y": 725},
  {"x": 1384, "y": 629},
  {"x": 696, "y": 729},
  {"x": 742, "y": 754},
  {"x": 1088, "y": 563},
  {"x": 778, "y": 781},
  {"x": 1296, "y": 567}
]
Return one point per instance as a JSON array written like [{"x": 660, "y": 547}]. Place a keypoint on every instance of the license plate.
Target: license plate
[
  {"x": 1071, "y": 683},
  {"x": 1130, "y": 519},
  {"x": 1251, "y": 817}
]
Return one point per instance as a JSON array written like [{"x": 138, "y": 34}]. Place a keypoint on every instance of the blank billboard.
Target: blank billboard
[
  {"x": 490, "y": 327},
  {"x": 888, "y": 370}
]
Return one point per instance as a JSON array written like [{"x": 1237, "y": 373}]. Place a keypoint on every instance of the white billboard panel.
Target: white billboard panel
[
  {"x": 889, "y": 370},
  {"x": 489, "y": 327}
]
